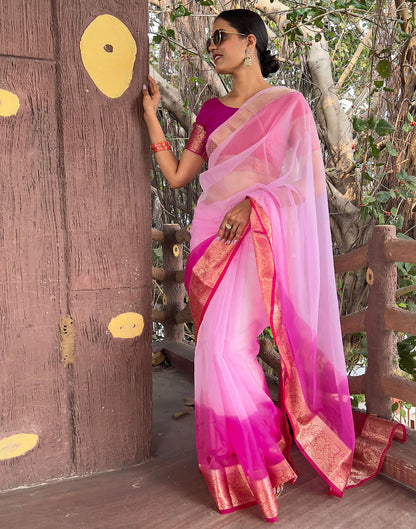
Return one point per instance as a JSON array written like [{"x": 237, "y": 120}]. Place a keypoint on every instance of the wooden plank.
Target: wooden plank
[
  {"x": 397, "y": 319},
  {"x": 32, "y": 279},
  {"x": 352, "y": 323},
  {"x": 108, "y": 218},
  {"x": 400, "y": 462},
  {"x": 179, "y": 354},
  {"x": 352, "y": 260},
  {"x": 400, "y": 250},
  {"x": 400, "y": 388},
  {"x": 26, "y": 28}
]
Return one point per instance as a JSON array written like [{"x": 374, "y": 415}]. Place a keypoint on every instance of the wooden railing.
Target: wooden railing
[{"x": 381, "y": 318}]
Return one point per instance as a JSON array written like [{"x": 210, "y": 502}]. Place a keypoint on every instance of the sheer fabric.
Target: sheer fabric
[{"x": 279, "y": 274}]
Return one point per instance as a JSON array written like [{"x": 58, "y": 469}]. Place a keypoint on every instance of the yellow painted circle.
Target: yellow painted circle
[
  {"x": 126, "y": 325},
  {"x": 9, "y": 103},
  {"x": 108, "y": 52},
  {"x": 175, "y": 250},
  {"x": 164, "y": 299},
  {"x": 17, "y": 445}
]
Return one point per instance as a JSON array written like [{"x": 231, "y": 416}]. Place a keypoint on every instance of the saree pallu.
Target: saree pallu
[{"x": 279, "y": 274}]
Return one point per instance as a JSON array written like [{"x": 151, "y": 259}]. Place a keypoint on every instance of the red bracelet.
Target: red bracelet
[{"x": 162, "y": 146}]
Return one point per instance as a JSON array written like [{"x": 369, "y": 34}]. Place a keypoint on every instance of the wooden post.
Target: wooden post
[
  {"x": 75, "y": 282},
  {"x": 382, "y": 280},
  {"x": 174, "y": 292}
]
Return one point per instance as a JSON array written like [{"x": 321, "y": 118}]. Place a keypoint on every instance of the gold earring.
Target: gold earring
[{"x": 247, "y": 60}]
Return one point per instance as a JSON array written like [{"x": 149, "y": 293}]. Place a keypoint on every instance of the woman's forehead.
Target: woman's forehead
[{"x": 222, "y": 24}]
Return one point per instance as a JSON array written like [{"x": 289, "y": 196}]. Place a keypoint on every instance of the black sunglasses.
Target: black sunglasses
[{"x": 218, "y": 36}]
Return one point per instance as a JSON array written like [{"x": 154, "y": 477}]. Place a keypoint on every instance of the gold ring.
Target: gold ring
[{"x": 228, "y": 226}]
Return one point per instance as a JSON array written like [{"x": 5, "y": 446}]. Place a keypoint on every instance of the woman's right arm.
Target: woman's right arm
[{"x": 177, "y": 172}]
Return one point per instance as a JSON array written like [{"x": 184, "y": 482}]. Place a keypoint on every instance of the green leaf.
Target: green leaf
[
  {"x": 403, "y": 413},
  {"x": 381, "y": 218},
  {"x": 406, "y": 127},
  {"x": 390, "y": 149},
  {"x": 318, "y": 37},
  {"x": 378, "y": 84},
  {"x": 409, "y": 117},
  {"x": 384, "y": 68},
  {"x": 393, "y": 211},
  {"x": 372, "y": 122},
  {"x": 384, "y": 127},
  {"x": 383, "y": 196},
  {"x": 398, "y": 222},
  {"x": 392, "y": 193},
  {"x": 359, "y": 124},
  {"x": 364, "y": 213},
  {"x": 374, "y": 149},
  {"x": 395, "y": 406},
  {"x": 157, "y": 39}
]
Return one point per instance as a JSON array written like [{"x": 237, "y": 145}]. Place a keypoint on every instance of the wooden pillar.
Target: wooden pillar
[
  {"x": 174, "y": 292},
  {"x": 75, "y": 244},
  {"x": 382, "y": 280}
]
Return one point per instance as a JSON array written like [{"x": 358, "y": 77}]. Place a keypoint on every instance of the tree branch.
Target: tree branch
[{"x": 172, "y": 101}]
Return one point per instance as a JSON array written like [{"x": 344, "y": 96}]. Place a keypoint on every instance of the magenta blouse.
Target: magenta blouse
[{"x": 212, "y": 114}]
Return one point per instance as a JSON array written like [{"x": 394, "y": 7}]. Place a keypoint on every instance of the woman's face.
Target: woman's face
[{"x": 230, "y": 53}]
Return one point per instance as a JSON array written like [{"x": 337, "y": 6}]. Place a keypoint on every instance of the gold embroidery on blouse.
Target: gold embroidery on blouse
[{"x": 196, "y": 142}]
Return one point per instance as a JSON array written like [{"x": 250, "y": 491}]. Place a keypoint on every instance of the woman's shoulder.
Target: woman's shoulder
[
  {"x": 210, "y": 104},
  {"x": 206, "y": 110}
]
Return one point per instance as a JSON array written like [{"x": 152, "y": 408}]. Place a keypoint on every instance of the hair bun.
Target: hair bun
[{"x": 268, "y": 63}]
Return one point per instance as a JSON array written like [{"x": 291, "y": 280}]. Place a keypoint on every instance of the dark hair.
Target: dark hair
[{"x": 248, "y": 22}]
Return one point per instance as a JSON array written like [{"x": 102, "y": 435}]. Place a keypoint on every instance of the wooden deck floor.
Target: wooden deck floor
[{"x": 168, "y": 492}]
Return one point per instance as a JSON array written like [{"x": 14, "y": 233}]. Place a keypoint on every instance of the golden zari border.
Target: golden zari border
[
  {"x": 238, "y": 119},
  {"x": 322, "y": 446},
  {"x": 231, "y": 489},
  {"x": 206, "y": 274},
  {"x": 371, "y": 446}
]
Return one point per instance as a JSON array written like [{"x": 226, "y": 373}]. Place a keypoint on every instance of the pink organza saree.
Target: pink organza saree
[{"x": 279, "y": 274}]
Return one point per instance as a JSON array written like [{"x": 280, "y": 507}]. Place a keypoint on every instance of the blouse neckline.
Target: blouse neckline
[{"x": 251, "y": 97}]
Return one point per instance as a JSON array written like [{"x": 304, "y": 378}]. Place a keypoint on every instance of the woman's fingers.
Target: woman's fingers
[
  {"x": 235, "y": 222},
  {"x": 151, "y": 95},
  {"x": 230, "y": 230}
]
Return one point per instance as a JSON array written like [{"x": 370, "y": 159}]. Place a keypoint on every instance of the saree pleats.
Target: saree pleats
[{"x": 239, "y": 444}]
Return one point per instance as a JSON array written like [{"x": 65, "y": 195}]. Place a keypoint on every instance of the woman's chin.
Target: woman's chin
[{"x": 221, "y": 70}]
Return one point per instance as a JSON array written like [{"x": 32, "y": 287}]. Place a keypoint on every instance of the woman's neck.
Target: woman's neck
[{"x": 244, "y": 87}]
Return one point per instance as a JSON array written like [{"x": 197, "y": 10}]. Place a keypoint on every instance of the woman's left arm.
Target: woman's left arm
[{"x": 238, "y": 218}]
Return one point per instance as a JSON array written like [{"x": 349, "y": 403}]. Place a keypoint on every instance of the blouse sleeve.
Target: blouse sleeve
[{"x": 197, "y": 140}]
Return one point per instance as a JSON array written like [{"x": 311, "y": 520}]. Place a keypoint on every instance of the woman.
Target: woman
[{"x": 261, "y": 255}]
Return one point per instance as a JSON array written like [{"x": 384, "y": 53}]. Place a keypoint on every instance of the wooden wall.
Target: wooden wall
[{"x": 75, "y": 246}]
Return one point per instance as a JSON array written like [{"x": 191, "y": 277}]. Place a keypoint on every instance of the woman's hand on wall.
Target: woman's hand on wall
[
  {"x": 151, "y": 98},
  {"x": 235, "y": 222}
]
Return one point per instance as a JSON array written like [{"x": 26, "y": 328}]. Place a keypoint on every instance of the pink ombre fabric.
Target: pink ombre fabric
[{"x": 280, "y": 274}]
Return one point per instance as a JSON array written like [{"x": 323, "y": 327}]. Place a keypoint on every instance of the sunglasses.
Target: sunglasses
[{"x": 219, "y": 35}]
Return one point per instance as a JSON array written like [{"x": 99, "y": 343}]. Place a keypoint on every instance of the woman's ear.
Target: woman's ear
[{"x": 251, "y": 41}]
